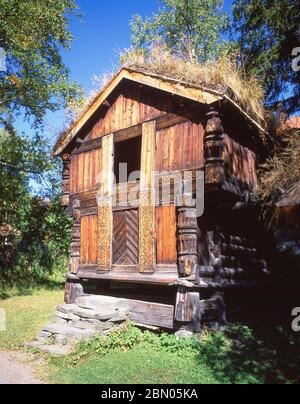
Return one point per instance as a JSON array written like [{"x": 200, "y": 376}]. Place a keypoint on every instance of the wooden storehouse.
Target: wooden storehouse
[{"x": 178, "y": 266}]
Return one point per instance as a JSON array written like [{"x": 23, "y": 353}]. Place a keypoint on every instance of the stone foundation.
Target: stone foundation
[{"x": 73, "y": 323}]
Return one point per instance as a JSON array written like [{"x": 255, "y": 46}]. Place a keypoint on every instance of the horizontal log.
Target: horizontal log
[
  {"x": 87, "y": 146},
  {"x": 206, "y": 272},
  {"x": 153, "y": 314},
  {"x": 238, "y": 250},
  {"x": 238, "y": 241},
  {"x": 89, "y": 211},
  {"x": 162, "y": 122},
  {"x": 243, "y": 273},
  {"x": 248, "y": 263}
]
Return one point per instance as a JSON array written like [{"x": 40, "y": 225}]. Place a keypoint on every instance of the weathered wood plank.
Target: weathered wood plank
[
  {"x": 84, "y": 245},
  {"x": 93, "y": 243},
  {"x": 153, "y": 314},
  {"x": 127, "y": 276},
  {"x": 166, "y": 235}
]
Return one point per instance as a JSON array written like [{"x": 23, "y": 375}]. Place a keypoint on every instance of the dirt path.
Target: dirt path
[{"x": 18, "y": 368}]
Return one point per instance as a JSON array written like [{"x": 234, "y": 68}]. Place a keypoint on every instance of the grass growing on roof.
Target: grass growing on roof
[
  {"x": 280, "y": 172},
  {"x": 222, "y": 74}
]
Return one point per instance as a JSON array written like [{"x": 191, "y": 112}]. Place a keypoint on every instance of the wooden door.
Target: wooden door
[{"x": 126, "y": 238}]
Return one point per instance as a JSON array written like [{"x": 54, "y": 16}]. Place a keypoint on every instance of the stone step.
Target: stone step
[
  {"x": 67, "y": 316},
  {"x": 66, "y": 308},
  {"x": 57, "y": 350},
  {"x": 58, "y": 320},
  {"x": 102, "y": 315},
  {"x": 44, "y": 337},
  {"x": 101, "y": 304},
  {"x": 69, "y": 332},
  {"x": 84, "y": 325}
]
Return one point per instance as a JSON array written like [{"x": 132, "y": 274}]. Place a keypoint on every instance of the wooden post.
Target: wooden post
[
  {"x": 221, "y": 314},
  {"x": 65, "y": 200},
  {"x": 147, "y": 255},
  {"x": 73, "y": 287},
  {"x": 215, "y": 252},
  {"x": 105, "y": 214},
  {"x": 188, "y": 312},
  {"x": 75, "y": 243},
  {"x": 187, "y": 241},
  {"x": 213, "y": 149}
]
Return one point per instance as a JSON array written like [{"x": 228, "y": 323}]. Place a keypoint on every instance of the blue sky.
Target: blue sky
[{"x": 103, "y": 31}]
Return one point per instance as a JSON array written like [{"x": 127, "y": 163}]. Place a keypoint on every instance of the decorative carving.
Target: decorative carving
[
  {"x": 65, "y": 200},
  {"x": 214, "y": 145},
  {"x": 147, "y": 254},
  {"x": 187, "y": 241},
  {"x": 104, "y": 200},
  {"x": 75, "y": 242},
  {"x": 147, "y": 259},
  {"x": 105, "y": 236}
]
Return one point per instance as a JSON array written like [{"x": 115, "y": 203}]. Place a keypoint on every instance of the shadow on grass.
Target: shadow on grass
[
  {"x": 254, "y": 354},
  {"x": 28, "y": 287}
]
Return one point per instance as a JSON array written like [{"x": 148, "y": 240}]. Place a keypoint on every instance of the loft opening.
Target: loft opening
[{"x": 127, "y": 152}]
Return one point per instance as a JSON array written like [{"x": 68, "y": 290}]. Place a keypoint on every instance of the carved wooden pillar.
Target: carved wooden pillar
[
  {"x": 213, "y": 149},
  {"x": 65, "y": 200},
  {"x": 105, "y": 213},
  {"x": 73, "y": 287},
  {"x": 187, "y": 240},
  {"x": 147, "y": 253}
]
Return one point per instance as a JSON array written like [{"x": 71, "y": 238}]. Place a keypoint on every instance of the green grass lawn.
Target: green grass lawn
[
  {"x": 139, "y": 365},
  {"x": 249, "y": 355},
  {"x": 25, "y": 315}
]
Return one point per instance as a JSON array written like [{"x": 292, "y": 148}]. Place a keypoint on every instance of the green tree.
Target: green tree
[
  {"x": 191, "y": 28},
  {"x": 32, "y": 35},
  {"x": 33, "y": 80},
  {"x": 268, "y": 33},
  {"x": 39, "y": 230}
]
